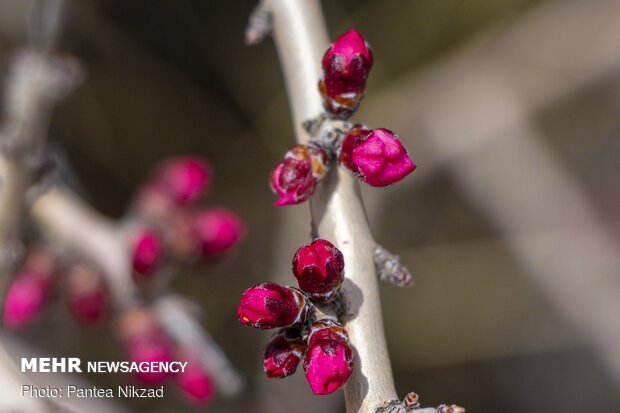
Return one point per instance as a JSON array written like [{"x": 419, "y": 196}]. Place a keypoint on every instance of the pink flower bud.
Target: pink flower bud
[
  {"x": 144, "y": 341},
  {"x": 87, "y": 295},
  {"x": 217, "y": 231},
  {"x": 329, "y": 360},
  {"x": 346, "y": 66},
  {"x": 30, "y": 289},
  {"x": 147, "y": 253},
  {"x": 183, "y": 179},
  {"x": 24, "y": 301},
  {"x": 269, "y": 305},
  {"x": 376, "y": 156},
  {"x": 151, "y": 350},
  {"x": 196, "y": 384},
  {"x": 283, "y": 353},
  {"x": 319, "y": 269},
  {"x": 295, "y": 178}
]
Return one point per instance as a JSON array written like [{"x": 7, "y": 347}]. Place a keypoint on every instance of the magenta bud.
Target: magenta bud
[
  {"x": 196, "y": 384},
  {"x": 319, "y": 269},
  {"x": 269, "y": 305},
  {"x": 87, "y": 295},
  {"x": 329, "y": 360},
  {"x": 148, "y": 253},
  {"x": 376, "y": 156},
  {"x": 151, "y": 349},
  {"x": 283, "y": 353},
  {"x": 217, "y": 231},
  {"x": 183, "y": 179},
  {"x": 346, "y": 66},
  {"x": 30, "y": 289},
  {"x": 24, "y": 301},
  {"x": 295, "y": 178}
]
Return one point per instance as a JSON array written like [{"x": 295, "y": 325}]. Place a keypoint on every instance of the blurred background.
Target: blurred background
[{"x": 510, "y": 109}]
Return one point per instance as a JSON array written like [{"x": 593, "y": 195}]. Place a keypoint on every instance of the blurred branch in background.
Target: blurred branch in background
[
  {"x": 36, "y": 80},
  {"x": 472, "y": 114}
]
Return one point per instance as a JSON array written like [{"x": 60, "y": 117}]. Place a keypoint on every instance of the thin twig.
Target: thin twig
[{"x": 337, "y": 210}]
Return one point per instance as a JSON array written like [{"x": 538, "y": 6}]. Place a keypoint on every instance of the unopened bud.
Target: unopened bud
[
  {"x": 346, "y": 66},
  {"x": 148, "y": 253},
  {"x": 329, "y": 360},
  {"x": 30, "y": 289},
  {"x": 269, "y": 305},
  {"x": 87, "y": 294},
  {"x": 283, "y": 353},
  {"x": 319, "y": 269},
  {"x": 217, "y": 231},
  {"x": 375, "y": 156},
  {"x": 295, "y": 178}
]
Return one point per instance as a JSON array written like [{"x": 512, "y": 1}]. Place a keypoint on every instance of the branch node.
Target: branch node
[
  {"x": 389, "y": 268},
  {"x": 259, "y": 25},
  {"x": 327, "y": 132}
]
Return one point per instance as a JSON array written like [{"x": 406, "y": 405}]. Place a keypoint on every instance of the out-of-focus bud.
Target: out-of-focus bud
[
  {"x": 269, "y": 305},
  {"x": 30, "y": 289},
  {"x": 195, "y": 383},
  {"x": 144, "y": 341},
  {"x": 411, "y": 401},
  {"x": 184, "y": 179},
  {"x": 217, "y": 231},
  {"x": 346, "y": 66},
  {"x": 151, "y": 350},
  {"x": 283, "y": 353},
  {"x": 319, "y": 269},
  {"x": 137, "y": 323},
  {"x": 376, "y": 156},
  {"x": 86, "y": 293},
  {"x": 24, "y": 301},
  {"x": 174, "y": 182},
  {"x": 148, "y": 254},
  {"x": 295, "y": 178},
  {"x": 329, "y": 360},
  {"x": 450, "y": 409}
]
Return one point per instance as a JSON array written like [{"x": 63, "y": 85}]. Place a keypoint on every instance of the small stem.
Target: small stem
[
  {"x": 70, "y": 222},
  {"x": 336, "y": 208}
]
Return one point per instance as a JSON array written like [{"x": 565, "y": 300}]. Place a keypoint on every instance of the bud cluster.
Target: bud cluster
[
  {"x": 323, "y": 345},
  {"x": 174, "y": 223},
  {"x": 375, "y": 156},
  {"x": 168, "y": 222},
  {"x": 83, "y": 290}
]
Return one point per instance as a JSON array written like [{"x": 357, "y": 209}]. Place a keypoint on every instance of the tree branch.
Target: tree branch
[
  {"x": 336, "y": 208},
  {"x": 70, "y": 222}
]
